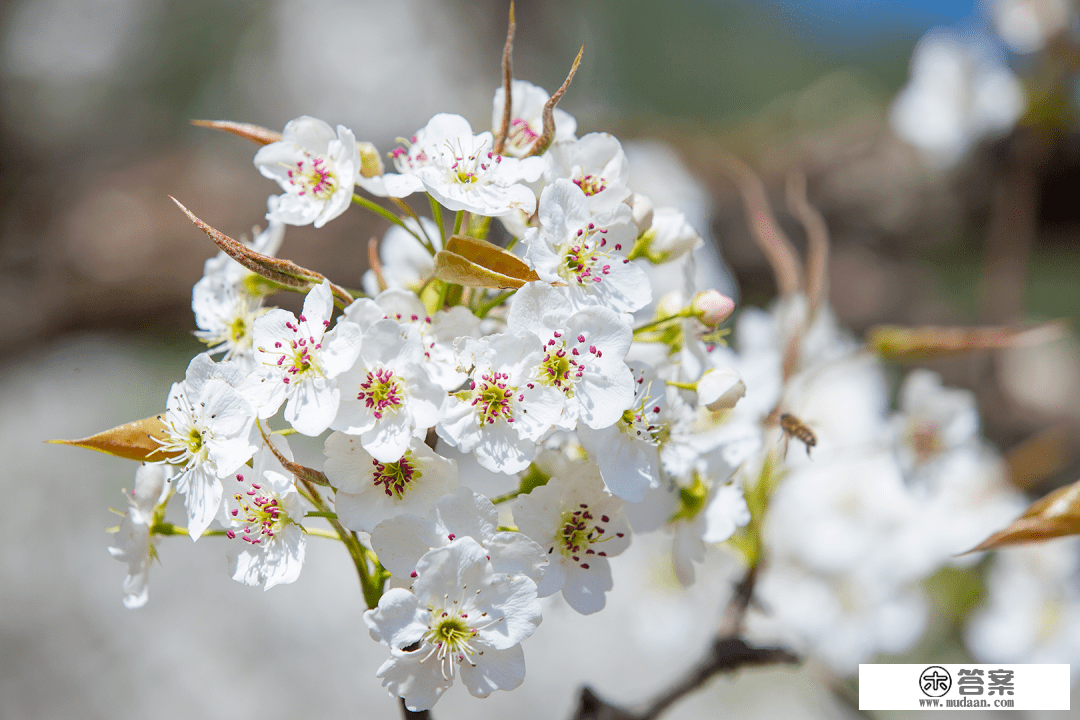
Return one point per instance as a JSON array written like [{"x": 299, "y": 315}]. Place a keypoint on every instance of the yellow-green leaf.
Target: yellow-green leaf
[
  {"x": 134, "y": 441},
  {"x": 478, "y": 263},
  {"x": 1056, "y": 515}
]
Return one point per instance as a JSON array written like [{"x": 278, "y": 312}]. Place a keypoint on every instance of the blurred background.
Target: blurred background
[{"x": 939, "y": 142}]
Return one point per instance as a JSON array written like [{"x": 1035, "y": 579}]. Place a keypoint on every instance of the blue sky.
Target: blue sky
[{"x": 855, "y": 21}]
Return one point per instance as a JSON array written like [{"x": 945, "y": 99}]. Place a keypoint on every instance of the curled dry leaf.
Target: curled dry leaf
[
  {"x": 897, "y": 342},
  {"x": 478, "y": 263},
  {"x": 284, "y": 273},
  {"x": 1056, "y": 515},
  {"x": 134, "y": 441},
  {"x": 301, "y": 471},
  {"x": 254, "y": 133}
]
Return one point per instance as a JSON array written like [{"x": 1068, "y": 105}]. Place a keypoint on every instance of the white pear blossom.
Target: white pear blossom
[
  {"x": 1027, "y": 25},
  {"x": 595, "y": 163},
  {"x": 459, "y": 617},
  {"x": 960, "y": 91},
  {"x": 299, "y": 361},
  {"x": 581, "y": 526},
  {"x": 527, "y": 118},
  {"x": 438, "y": 331},
  {"x": 133, "y": 544},
  {"x": 209, "y": 425},
  {"x": 626, "y": 452},
  {"x": 402, "y": 540},
  {"x": 315, "y": 167},
  {"x": 587, "y": 253},
  {"x": 261, "y": 513},
  {"x": 583, "y": 354},
  {"x": 1031, "y": 613},
  {"x": 387, "y": 396},
  {"x": 370, "y": 491},
  {"x": 933, "y": 420},
  {"x": 706, "y": 514},
  {"x": 505, "y": 411},
  {"x": 669, "y": 236},
  {"x": 462, "y": 172}
]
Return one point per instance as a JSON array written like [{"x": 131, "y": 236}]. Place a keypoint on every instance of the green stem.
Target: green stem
[
  {"x": 436, "y": 213},
  {"x": 510, "y": 245},
  {"x": 384, "y": 213},
  {"x": 506, "y": 497},
  {"x": 404, "y": 207},
  {"x": 487, "y": 307},
  {"x": 443, "y": 292},
  {"x": 672, "y": 383},
  {"x": 167, "y": 528},
  {"x": 660, "y": 321},
  {"x": 369, "y": 586},
  {"x": 321, "y": 513},
  {"x": 460, "y": 218}
]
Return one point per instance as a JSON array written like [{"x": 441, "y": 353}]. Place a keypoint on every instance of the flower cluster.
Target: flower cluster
[{"x": 582, "y": 368}]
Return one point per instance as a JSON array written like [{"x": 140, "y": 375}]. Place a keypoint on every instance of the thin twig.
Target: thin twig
[
  {"x": 508, "y": 82},
  {"x": 776, "y": 246},
  {"x": 817, "y": 242}
]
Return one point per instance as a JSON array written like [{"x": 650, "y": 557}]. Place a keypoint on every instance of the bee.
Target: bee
[{"x": 793, "y": 427}]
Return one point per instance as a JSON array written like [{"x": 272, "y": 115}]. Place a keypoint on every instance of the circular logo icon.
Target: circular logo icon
[{"x": 935, "y": 681}]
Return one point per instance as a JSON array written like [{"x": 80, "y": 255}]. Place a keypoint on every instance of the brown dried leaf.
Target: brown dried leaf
[
  {"x": 897, "y": 342},
  {"x": 284, "y": 273},
  {"x": 133, "y": 441},
  {"x": 548, "y": 135},
  {"x": 1056, "y": 515},
  {"x": 255, "y": 133},
  {"x": 478, "y": 263}
]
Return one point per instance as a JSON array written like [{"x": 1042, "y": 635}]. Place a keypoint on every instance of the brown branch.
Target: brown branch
[
  {"x": 1013, "y": 226},
  {"x": 408, "y": 714},
  {"x": 725, "y": 656},
  {"x": 508, "y": 81},
  {"x": 728, "y": 653},
  {"x": 776, "y": 246}
]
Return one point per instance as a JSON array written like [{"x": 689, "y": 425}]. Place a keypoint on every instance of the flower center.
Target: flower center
[
  {"x": 925, "y": 441},
  {"x": 261, "y": 514},
  {"x": 382, "y": 392},
  {"x": 591, "y": 184},
  {"x": 493, "y": 399},
  {"x": 467, "y": 169},
  {"x": 521, "y": 135},
  {"x": 584, "y": 260},
  {"x": 578, "y": 529},
  {"x": 314, "y": 175},
  {"x": 642, "y": 423},
  {"x": 451, "y": 633},
  {"x": 300, "y": 359},
  {"x": 195, "y": 441},
  {"x": 396, "y": 476}
]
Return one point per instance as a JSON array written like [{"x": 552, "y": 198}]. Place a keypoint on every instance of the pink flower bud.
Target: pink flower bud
[{"x": 712, "y": 308}]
